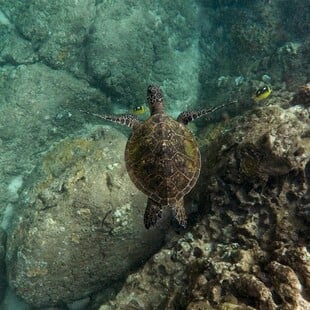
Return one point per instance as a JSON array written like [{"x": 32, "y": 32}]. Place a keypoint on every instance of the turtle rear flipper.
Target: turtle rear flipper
[{"x": 152, "y": 213}]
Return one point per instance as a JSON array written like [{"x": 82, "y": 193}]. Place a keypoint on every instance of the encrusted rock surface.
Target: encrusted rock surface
[
  {"x": 248, "y": 248},
  {"x": 80, "y": 227},
  {"x": 38, "y": 106},
  {"x": 2, "y": 263},
  {"x": 109, "y": 43},
  {"x": 56, "y": 30},
  {"x": 302, "y": 96},
  {"x": 124, "y": 58},
  {"x": 15, "y": 50}
]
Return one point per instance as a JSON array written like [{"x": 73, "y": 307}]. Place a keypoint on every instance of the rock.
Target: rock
[
  {"x": 80, "y": 223},
  {"x": 287, "y": 286},
  {"x": 302, "y": 96},
  {"x": 56, "y": 30},
  {"x": 245, "y": 249},
  {"x": 111, "y": 44},
  {"x": 38, "y": 107},
  {"x": 79, "y": 304},
  {"x": 16, "y": 50},
  {"x": 125, "y": 59},
  {"x": 251, "y": 287},
  {"x": 2, "y": 263}
]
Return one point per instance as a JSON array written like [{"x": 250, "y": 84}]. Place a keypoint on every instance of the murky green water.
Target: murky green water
[{"x": 74, "y": 233}]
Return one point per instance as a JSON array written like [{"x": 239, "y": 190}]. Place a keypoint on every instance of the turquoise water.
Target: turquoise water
[{"x": 71, "y": 218}]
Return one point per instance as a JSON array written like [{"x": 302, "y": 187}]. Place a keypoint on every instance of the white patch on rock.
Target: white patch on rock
[
  {"x": 4, "y": 20},
  {"x": 15, "y": 185}
]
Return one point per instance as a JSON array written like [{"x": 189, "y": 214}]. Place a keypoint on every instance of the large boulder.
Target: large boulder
[
  {"x": 37, "y": 107},
  {"x": 80, "y": 223}
]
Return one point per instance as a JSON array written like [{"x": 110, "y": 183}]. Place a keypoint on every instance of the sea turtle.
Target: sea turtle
[{"x": 162, "y": 156}]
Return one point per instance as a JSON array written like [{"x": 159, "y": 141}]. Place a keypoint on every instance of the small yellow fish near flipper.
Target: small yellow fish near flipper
[
  {"x": 262, "y": 93},
  {"x": 138, "y": 110}
]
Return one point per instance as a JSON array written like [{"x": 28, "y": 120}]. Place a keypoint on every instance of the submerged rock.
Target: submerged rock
[
  {"x": 247, "y": 249},
  {"x": 33, "y": 97},
  {"x": 302, "y": 96},
  {"x": 56, "y": 30},
  {"x": 16, "y": 50},
  {"x": 125, "y": 58},
  {"x": 2, "y": 263},
  {"x": 80, "y": 227}
]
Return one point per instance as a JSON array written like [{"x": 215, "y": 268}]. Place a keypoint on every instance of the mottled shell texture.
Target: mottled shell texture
[{"x": 163, "y": 159}]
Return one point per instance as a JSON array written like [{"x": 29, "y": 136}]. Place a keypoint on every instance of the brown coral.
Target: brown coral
[{"x": 287, "y": 286}]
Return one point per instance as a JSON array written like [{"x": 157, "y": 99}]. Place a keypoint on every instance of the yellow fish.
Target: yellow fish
[
  {"x": 262, "y": 93},
  {"x": 138, "y": 110}
]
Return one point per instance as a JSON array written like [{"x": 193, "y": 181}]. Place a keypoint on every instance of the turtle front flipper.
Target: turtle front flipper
[
  {"x": 128, "y": 120},
  {"x": 179, "y": 212},
  {"x": 152, "y": 213},
  {"x": 188, "y": 116}
]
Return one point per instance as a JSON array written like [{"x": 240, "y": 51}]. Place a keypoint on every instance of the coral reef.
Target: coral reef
[
  {"x": 247, "y": 249},
  {"x": 292, "y": 59},
  {"x": 78, "y": 219},
  {"x": 302, "y": 96}
]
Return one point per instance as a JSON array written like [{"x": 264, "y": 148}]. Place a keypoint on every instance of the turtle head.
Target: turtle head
[{"x": 155, "y": 99}]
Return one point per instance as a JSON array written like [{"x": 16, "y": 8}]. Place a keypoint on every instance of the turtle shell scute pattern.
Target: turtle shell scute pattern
[{"x": 163, "y": 159}]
